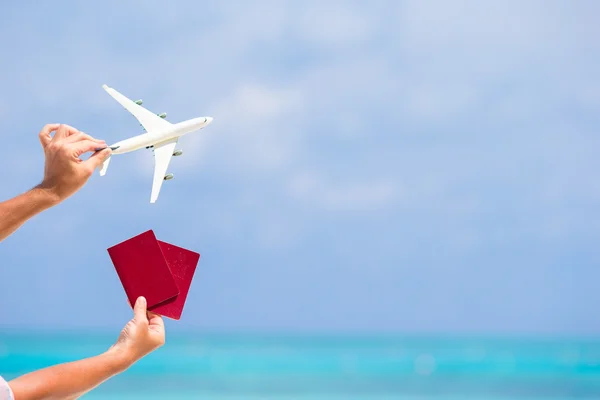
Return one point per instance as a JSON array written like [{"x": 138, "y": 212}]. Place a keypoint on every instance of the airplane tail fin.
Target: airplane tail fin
[{"x": 104, "y": 166}]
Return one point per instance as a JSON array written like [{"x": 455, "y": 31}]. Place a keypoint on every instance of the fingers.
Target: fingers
[
  {"x": 64, "y": 131},
  {"x": 156, "y": 325},
  {"x": 79, "y": 136},
  {"x": 69, "y": 135},
  {"x": 85, "y": 145},
  {"x": 155, "y": 321},
  {"x": 139, "y": 310},
  {"x": 44, "y": 134},
  {"x": 98, "y": 158}
]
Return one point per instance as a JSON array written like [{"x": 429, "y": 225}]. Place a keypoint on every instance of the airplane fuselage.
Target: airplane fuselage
[{"x": 153, "y": 138}]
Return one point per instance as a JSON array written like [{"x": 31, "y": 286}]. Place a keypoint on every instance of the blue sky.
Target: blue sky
[{"x": 405, "y": 166}]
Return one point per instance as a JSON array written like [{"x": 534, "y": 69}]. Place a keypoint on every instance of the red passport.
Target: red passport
[{"x": 159, "y": 271}]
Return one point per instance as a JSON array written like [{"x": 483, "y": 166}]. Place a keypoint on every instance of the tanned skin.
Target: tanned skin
[{"x": 64, "y": 174}]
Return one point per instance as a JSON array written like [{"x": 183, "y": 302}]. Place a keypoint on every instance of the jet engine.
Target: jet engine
[
  {"x": 177, "y": 153},
  {"x": 163, "y": 115},
  {"x": 139, "y": 102},
  {"x": 168, "y": 177}
]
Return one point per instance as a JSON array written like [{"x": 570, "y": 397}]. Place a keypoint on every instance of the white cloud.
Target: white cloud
[
  {"x": 442, "y": 102},
  {"x": 255, "y": 103},
  {"x": 333, "y": 25},
  {"x": 254, "y": 130},
  {"x": 467, "y": 25},
  {"x": 313, "y": 189}
]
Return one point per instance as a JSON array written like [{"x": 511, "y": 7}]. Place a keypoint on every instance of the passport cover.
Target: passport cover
[
  {"x": 183, "y": 264},
  {"x": 143, "y": 270},
  {"x": 159, "y": 271}
]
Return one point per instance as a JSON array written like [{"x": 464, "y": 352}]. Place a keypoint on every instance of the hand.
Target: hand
[
  {"x": 142, "y": 335},
  {"x": 64, "y": 172}
]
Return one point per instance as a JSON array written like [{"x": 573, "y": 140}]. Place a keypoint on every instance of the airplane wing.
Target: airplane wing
[
  {"x": 162, "y": 156},
  {"x": 149, "y": 120}
]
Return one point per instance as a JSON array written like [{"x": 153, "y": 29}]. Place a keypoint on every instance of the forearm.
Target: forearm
[
  {"x": 69, "y": 380},
  {"x": 14, "y": 212}
]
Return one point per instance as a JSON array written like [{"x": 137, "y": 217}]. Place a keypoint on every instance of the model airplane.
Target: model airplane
[{"x": 161, "y": 136}]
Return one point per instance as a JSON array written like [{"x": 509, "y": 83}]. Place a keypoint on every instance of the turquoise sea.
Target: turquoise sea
[{"x": 203, "y": 366}]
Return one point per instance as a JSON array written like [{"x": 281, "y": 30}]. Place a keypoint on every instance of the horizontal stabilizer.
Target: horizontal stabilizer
[{"x": 105, "y": 166}]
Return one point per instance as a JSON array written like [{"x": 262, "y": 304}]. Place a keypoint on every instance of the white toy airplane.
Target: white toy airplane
[{"x": 161, "y": 136}]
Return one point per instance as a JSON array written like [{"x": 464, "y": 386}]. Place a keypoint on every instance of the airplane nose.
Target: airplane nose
[{"x": 209, "y": 120}]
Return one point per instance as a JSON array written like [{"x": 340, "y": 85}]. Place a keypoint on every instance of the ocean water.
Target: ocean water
[{"x": 202, "y": 366}]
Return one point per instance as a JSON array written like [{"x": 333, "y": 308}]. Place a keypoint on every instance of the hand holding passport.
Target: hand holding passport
[{"x": 159, "y": 271}]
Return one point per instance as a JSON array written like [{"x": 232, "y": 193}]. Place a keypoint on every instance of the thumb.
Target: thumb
[
  {"x": 99, "y": 157},
  {"x": 139, "y": 310}
]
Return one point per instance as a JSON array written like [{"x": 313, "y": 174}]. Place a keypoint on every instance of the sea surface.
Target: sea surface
[{"x": 203, "y": 366}]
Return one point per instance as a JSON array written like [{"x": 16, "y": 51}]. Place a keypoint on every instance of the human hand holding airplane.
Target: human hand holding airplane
[
  {"x": 161, "y": 136},
  {"x": 64, "y": 172}
]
